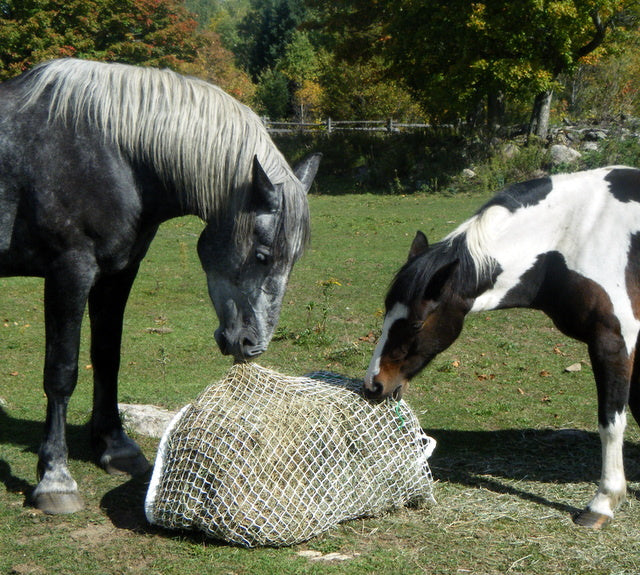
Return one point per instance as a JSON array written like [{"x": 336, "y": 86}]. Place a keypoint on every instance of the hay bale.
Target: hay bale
[{"x": 265, "y": 459}]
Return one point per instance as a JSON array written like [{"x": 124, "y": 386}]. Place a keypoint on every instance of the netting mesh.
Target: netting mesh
[{"x": 261, "y": 458}]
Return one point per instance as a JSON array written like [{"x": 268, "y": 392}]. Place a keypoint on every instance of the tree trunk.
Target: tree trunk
[
  {"x": 539, "y": 123},
  {"x": 495, "y": 110}
]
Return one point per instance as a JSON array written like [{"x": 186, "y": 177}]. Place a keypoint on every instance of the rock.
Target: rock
[
  {"x": 468, "y": 173},
  {"x": 145, "y": 419},
  {"x": 563, "y": 155},
  {"x": 510, "y": 150},
  {"x": 594, "y": 135},
  {"x": 574, "y": 367}
]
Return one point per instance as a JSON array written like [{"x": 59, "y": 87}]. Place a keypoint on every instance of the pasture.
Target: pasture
[{"x": 517, "y": 455}]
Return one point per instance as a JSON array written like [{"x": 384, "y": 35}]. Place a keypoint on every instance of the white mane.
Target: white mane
[
  {"x": 198, "y": 137},
  {"x": 480, "y": 233}
]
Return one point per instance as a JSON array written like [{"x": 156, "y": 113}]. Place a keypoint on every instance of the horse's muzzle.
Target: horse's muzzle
[
  {"x": 241, "y": 348},
  {"x": 375, "y": 391}
]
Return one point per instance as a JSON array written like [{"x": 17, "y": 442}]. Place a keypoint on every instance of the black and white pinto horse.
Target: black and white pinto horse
[
  {"x": 93, "y": 158},
  {"x": 568, "y": 245}
]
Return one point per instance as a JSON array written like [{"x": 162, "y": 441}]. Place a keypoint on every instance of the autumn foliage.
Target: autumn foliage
[{"x": 151, "y": 32}]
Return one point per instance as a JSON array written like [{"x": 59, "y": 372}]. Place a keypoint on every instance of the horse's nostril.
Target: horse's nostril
[
  {"x": 248, "y": 343},
  {"x": 374, "y": 390}
]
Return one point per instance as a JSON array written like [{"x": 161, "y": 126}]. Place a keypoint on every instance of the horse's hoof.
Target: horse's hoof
[
  {"x": 133, "y": 465},
  {"x": 591, "y": 519},
  {"x": 58, "y": 503}
]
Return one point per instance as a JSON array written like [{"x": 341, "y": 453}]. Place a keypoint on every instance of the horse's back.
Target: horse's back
[
  {"x": 621, "y": 183},
  {"x": 575, "y": 233}
]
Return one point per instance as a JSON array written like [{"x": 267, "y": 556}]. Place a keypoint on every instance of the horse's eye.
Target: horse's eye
[{"x": 398, "y": 353}]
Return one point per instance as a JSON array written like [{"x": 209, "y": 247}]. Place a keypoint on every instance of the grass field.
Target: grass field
[{"x": 517, "y": 449}]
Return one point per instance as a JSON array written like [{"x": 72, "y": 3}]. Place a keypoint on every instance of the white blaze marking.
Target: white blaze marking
[{"x": 399, "y": 311}]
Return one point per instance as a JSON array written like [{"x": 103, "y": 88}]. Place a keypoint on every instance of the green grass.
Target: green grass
[{"x": 507, "y": 480}]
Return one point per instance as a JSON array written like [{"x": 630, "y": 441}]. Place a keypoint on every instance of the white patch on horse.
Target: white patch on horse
[
  {"x": 579, "y": 218},
  {"x": 612, "y": 488},
  {"x": 398, "y": 311}
]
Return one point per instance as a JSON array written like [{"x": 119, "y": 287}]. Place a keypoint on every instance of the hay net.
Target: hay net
[{"x": 261, "y": 458}]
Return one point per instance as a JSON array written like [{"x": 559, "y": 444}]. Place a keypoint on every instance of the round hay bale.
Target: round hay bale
[{"x": 261, "y": 458}]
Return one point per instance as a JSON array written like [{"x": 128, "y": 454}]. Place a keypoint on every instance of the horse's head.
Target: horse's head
[
  {"x": 423, "y": 317},
  {"x": 248, "y": 259}
]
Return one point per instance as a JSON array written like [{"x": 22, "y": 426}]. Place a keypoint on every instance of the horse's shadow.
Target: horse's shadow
[
  {"x": 28, "y": 434},
  {"x": 493, "y": 460}
]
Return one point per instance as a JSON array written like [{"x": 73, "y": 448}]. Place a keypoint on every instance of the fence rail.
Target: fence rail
[{"x": 329, "y": 126}]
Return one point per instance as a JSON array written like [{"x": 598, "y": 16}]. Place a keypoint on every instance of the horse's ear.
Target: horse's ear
[
  {"x": 419, "y": 245},
  {"x": 266, "y": 194},
  {"x": 306, "y": 170},
  {"x": 439, "y": 280}
]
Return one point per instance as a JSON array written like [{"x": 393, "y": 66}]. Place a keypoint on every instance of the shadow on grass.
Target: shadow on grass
[
  {"x": 28, "y": 434},
  {"x": 491, "y": 460},
  {"x": 484, "y": 458}
]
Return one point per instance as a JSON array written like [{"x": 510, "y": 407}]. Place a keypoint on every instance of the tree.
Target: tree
[
  {"x": 155, "y": 32},
  {"x": 273, "y": 94},
  {"x": 461, "y": 58},
  {"x": 265, "y": 32},
  {"x": 300, "y": 64},
  {"x": 607, "y": 85},
  {"x": 356, "y": 76},
  {"x": 216, "y": 64}
]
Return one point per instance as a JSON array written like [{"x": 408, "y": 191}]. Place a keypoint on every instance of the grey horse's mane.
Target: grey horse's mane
[{"x": 198, "y": 137}]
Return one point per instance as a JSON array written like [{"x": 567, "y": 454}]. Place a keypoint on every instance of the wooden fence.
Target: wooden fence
[{"x": 329, "y": 126}]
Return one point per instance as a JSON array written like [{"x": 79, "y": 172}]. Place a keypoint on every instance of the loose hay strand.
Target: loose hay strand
[{"x": 261, "y": 458}]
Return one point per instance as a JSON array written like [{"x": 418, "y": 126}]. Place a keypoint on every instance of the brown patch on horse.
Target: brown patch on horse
[{"x": 632, "y": 275}]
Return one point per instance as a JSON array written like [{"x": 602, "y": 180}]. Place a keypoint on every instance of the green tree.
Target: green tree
[
  {"x": 300, "y": 64},
  {"x": 265, "y": 32},
  {"x": 460, "y": 57},
  {"x": 607, "y": 84},
  {"x": 272, "y": 94}
]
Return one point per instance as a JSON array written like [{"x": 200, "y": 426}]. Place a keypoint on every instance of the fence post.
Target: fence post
[
  {"x": 328, "y": 125},
  {"x": 390, "y": 125}
]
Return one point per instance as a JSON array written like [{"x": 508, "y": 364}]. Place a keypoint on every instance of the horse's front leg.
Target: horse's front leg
[
  {"x": 66, "y": 290},
  {"x": 117, "y": 453},
  {"x": 612, "y": 370}
]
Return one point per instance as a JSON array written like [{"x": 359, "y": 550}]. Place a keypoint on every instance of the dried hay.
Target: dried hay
[{"x": 265, "y": 459}]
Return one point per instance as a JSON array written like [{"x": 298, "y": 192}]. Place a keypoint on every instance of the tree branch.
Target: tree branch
[{"x": 599, "y": 36}]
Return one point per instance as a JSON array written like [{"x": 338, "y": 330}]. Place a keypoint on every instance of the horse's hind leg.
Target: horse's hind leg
[
  {"x": 634, "y": 389},
  {"x": 66, "y": 291},
  {"x": 612, "y": 369},
  {"x": 116, "y": 451}
]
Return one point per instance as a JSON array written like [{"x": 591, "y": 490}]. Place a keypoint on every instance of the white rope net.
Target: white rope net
[{"x": 261, "y": 458}]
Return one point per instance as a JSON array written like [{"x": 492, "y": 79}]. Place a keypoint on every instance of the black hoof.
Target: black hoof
[
  {"x": 591, "y": 519},
  {"x": 133, "y": 465}
]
